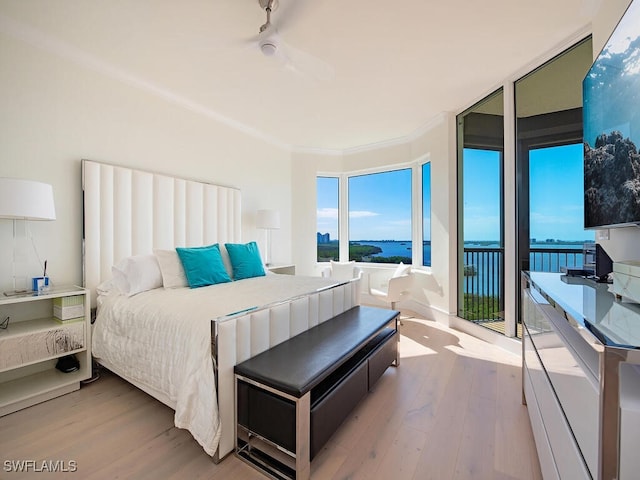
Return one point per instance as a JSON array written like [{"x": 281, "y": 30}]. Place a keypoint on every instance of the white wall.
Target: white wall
[
  {"x": 605, "y": 21},
  {"x": 56, "y": 111},
  {"x": 305, "y": 169}
]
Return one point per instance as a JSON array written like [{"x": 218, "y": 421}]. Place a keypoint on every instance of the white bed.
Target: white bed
[{"x": 180, "y": 345}]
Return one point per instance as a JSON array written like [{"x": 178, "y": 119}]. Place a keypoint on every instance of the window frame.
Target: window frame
[
  {"x": 419, "y": 260},
  {"x": 416, "y": 214},
  {"x": 339, "y": 180}
]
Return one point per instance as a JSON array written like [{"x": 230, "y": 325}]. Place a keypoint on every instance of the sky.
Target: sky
[
  {"x": 327, "y": 210},
  {"x": 556, "y": 177},
  {"x": 380, "y": 204},
  {"x": 556, "y": 198}
]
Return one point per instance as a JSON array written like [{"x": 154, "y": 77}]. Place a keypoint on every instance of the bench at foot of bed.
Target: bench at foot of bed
[{"x": 291, "y": 398}]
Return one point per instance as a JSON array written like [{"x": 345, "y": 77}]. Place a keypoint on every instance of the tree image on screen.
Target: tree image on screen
[{"x": 612, "y": 180}]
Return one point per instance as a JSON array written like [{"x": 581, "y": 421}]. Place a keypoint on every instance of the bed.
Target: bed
[{"x": 180, "y": 344}]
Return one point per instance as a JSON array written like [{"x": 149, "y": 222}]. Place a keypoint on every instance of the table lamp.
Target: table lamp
[
  {"x": 268, "y": 220},
  {"x": 20, "y": 201}
]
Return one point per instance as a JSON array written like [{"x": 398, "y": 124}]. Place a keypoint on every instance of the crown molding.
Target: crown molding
[{"x": 393, "y": 142}]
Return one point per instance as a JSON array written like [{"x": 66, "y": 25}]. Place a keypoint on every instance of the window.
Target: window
[
  {"x": 327, "y": 218},
  {"x": 380, "y": 217},
  {"x": 556, "y": 208},
  {"x": 549, "y": 166},
  {"x": 426, "y": 214},
  {"x": 480, "y": 213},
  {"x": 482, "y": 179}
]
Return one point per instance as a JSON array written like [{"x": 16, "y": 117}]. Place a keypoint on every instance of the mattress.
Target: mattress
[{"x": 161, "y": 340}]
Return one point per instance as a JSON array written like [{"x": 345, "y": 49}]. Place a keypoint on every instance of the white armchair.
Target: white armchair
[
  {"x": 343, "y": 271},
  {"x": 398, "y": 287}
]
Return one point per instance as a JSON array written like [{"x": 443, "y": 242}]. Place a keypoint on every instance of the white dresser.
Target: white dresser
[{"x": 581, "y": 377}]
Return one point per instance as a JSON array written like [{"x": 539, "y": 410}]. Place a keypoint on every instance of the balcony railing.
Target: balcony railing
[
  {"x": 484, "y": 279},
  {"x": 483, "y": 284},
  {"x": 553, "y": 259}
]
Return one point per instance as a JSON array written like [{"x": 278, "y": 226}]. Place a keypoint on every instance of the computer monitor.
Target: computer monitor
[
  {"x": 597, "y": 262},
  {"x": 604, "y": 264}
]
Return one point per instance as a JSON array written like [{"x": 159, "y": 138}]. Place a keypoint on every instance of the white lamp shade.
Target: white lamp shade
[
  {"x": 26, "y": 200},
  {"x": 268, "y": 219}
]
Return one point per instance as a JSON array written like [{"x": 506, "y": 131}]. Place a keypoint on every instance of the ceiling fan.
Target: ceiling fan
[
  {"x": 271, "y": 45},
  {"x": 268, "y": 39}
]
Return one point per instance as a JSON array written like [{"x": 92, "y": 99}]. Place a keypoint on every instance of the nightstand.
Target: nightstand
[
  {"x": 34, "y": 341},
  {"x": 284, "y": 269}
]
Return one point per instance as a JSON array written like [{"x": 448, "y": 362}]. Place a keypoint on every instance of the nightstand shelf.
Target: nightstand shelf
[
  {"x": 32, "y": 343},
  {"x": 38, "y": 387}
]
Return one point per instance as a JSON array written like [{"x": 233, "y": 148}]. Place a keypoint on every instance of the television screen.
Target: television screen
[{"x": 611, "y": 109}]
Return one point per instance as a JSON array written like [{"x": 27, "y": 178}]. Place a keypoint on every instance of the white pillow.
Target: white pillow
[
  {"x": 171, "y": 267},
  {"x": 401, "y": 270},
  {"x": 343, "y": 270},
  {"x": 136, "y": 274},
  {"x": 226, "y": 261},
  {"x": 107, "y": 287}
]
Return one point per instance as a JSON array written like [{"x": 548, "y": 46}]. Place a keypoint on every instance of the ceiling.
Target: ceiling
[{"x": 366, "y": 71}]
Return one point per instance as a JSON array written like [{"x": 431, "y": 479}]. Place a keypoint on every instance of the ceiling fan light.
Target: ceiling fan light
[{"x": 268, "y": 48}]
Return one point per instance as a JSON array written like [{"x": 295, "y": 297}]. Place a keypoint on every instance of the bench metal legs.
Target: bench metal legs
[
  {"x": 303, "y": 437},
  {"x": 266, "y": 455}
]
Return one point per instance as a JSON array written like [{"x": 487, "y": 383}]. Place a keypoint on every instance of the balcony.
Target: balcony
[{"x": 483, "y": 286}]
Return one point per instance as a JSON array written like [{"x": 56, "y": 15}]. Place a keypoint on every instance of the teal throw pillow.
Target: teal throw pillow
[
  {"x": 203, "y": 265},
  {"x": 245, "y": 260}
]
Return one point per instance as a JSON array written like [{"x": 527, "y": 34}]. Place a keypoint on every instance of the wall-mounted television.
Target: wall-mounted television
[{"x": 611, "y": 114}]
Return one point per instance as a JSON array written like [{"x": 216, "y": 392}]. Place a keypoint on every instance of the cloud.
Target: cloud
[
  {"x": 362, "y": 214},
  {"x": 327, "y": 213}
]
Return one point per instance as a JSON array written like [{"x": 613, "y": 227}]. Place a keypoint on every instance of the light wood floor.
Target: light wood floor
[{"x": 452, "y": 410}]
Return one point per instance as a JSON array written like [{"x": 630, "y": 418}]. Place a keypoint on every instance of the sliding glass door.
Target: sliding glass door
[
  {"x": 549, "y": 164},
  {"x": 481, "y": 213}
]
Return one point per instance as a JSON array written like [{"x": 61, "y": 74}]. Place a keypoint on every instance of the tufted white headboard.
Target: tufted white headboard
[{"x": 131, "y": 212}]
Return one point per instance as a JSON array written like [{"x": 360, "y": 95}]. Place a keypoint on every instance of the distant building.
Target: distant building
[{"x": 323, "y": 237}]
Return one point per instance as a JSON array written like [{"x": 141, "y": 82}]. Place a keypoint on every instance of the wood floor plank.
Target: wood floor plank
[
  {"x": 401, "y": 458},
  {"x": 477, "y": 444},
  {"x": 451, "y": 410},
  {"x": 438, "y": 459},
  {"x": 382, "y": 427},
  {"x": 512, "y": 423}
]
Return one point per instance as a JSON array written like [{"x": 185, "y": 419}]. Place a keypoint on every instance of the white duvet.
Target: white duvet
[{"x": 161, "y": 340}]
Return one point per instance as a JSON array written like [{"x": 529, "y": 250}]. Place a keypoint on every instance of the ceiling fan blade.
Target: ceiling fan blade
[
  {"x": 271, "y": 45},
  {"x": 306, "y": 65}
]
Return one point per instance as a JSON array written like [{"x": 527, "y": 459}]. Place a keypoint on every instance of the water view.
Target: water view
[
  {"x": 374, "y": 251},
  {"x": 481, "y": 261}
]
